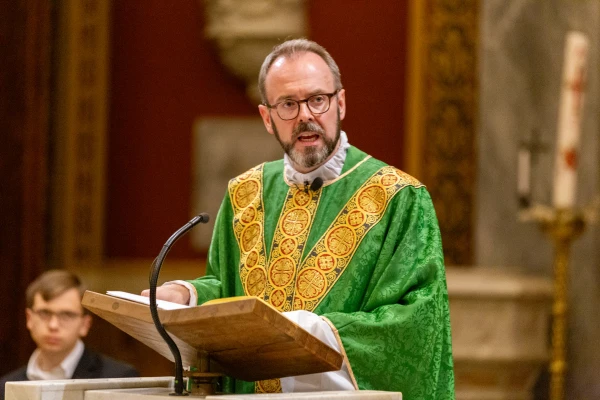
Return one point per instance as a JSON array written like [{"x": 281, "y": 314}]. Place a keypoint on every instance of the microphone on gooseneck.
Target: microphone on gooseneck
[
  {"x": 154, "y": 271},
  {"x": 316, "y": 184}
]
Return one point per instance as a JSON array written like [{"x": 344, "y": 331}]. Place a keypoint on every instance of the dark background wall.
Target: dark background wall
[{"x": 24, "y": 87}]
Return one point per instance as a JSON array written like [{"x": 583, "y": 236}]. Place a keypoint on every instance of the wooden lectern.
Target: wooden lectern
[{"x": 242, "y": 337}]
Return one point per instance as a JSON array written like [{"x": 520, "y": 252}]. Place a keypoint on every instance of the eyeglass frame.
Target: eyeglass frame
[
  {"x": 63, "y": 317},
  {"x": 299, "y": 102}
]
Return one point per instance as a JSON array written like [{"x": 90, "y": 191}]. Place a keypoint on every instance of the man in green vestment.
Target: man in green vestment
[{"x": 348, "y": 244}]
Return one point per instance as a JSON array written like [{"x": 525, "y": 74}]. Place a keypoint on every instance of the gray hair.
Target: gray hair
[{"x": 293, "y": 48}]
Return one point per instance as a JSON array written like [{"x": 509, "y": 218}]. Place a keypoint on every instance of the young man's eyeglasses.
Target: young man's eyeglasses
[
  {"x": 63, "y": 317},
  {"x": 317, "y": 104}
]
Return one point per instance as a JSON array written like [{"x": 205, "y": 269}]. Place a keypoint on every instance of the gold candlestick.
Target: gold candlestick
[
  {"x": 562, "y": 226},
  {"x": 563, "y": 229}
]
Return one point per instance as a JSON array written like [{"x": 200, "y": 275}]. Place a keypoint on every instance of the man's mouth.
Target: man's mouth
[
  {"x": 308, "y": 138},
  {"x": 51, "y": 340},
  {"x": 308, "y": 132}
]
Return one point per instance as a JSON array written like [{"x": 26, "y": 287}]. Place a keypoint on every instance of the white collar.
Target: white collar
[
  {"x": 328, "y": 171},
  {"x": 65, "y": 370}
]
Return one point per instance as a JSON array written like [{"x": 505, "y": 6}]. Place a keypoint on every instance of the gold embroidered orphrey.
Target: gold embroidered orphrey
[
  {"x": 285, "y": 280},
  {"x": 248, "y": 222},
  {"x": 290, "y": 283}
]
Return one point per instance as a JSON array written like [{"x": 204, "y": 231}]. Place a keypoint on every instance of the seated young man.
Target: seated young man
[{"x": 57, "y": 322}]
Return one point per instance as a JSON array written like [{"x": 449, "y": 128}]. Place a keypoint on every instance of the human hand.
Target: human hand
[{"x": 172, "y": 292}]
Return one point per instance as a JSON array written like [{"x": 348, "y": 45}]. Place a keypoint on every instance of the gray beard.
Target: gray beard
[{"x": 311, "y": 156}]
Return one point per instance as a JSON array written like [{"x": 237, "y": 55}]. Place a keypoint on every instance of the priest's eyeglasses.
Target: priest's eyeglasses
[
  {"x": 317, "y": 104},
  {"x": 63, "y": 317}
]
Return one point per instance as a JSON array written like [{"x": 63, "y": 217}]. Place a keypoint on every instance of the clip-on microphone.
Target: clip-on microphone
[
  {"x": 316, "y": 184},
  {"x": 155, "y": 270}
]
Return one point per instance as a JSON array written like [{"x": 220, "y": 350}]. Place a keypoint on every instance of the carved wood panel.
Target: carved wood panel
[{"x": 441, "y": 126}]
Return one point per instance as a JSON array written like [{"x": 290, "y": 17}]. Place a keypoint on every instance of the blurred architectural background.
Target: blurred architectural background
[{"x": 119, "y": 123}]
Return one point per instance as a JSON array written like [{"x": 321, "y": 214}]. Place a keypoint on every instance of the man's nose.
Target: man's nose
[
  {"x": 304, "y": 113},
  {"x": 53, "y": 322}
]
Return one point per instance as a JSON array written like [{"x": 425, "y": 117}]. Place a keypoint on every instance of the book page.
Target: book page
[{"x": 162, "y": 304}]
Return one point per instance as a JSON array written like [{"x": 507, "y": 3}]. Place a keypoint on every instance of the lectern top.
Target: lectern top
[{"x": 247, "y": 338}]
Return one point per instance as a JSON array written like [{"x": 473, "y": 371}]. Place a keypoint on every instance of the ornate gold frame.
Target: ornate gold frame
[
  {"x": 442, "y": 114},
  {"x": 79, "y": 132}
]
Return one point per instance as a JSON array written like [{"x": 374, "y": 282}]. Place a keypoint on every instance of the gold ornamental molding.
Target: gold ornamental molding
[
  {"x": 79, "y": 132},
  {"x": 442, "y": 114},
  {"x": 245, "y": 31}
]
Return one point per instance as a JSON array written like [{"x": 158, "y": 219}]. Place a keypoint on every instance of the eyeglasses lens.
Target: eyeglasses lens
[{"x": 63, "y": 317}]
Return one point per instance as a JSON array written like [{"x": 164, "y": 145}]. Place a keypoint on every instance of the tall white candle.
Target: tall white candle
[{"x": 569, "y": 119}]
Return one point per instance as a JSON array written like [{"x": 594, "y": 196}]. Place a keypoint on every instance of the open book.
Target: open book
[{"x": 243, "y": 337}]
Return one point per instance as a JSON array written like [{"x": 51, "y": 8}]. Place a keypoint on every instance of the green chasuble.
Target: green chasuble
[{"x": 364, "y": 252}]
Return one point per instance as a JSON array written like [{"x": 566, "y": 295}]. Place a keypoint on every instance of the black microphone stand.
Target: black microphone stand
[{"x": 154, "y": 271}]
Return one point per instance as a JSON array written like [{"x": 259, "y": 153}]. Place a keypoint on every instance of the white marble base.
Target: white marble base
[
  {"x": 164, "y": 393},
  {"x": 500, "y": 324},
  {"x": 75, "y": 389},
  {"x": 156, "y": 388}
]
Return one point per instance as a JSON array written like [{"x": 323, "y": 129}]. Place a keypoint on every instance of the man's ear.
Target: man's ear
[
  {"x": 28, "y": 313},
  {"x": 341, "y": 100},
  {"x": 86, "y": 323},
  {"x": 266, "y": 117}
]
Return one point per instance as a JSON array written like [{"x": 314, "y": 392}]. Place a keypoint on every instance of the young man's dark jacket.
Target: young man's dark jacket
[{"x": 91, "y": 366}]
